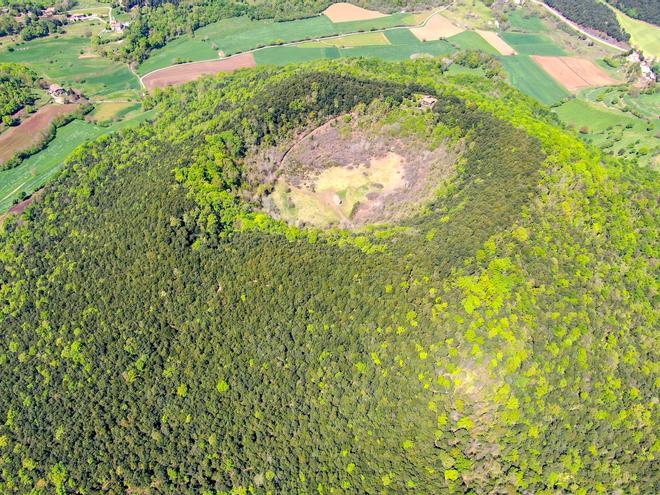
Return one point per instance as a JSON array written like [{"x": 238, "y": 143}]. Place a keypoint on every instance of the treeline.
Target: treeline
[
  {"x": 16, "y": 89},
  {"x": 591, "y": 14},
  {"x": 646, "y": 10}
]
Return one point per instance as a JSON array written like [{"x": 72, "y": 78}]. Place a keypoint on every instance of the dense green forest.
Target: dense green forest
[
  {"x": 646, "y": 10},
  {"x": 16, "y": 89},
  {"x": 161, "y": 334},
  {"x": 592, "y": 14}
]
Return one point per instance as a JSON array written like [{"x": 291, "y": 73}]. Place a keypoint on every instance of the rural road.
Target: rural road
[
  {"x": 576, "y": 27},
  {"x": 294, "y": 43}
]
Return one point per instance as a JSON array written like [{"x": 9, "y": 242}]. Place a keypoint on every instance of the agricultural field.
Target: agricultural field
[
  {"x": 471, "y": 40},
  {"x": 523, "y": 21},
  {"x": 241, "y": 34},
  {"x": 31, "y": 131},
  {"x": 104, "y": 112},
  {"x": 643, "y": 35},
  {"x": 575, "y": 73},
  {"x": 63, "y": 59},
  {"x": 529, "y": 78},
  {"x": 615, "y": 132},
  {"x": 472, "y": 14},
  {"x": 532, "y": 44},
  {"x": 37, "y": 170},
  {"x": 350, "y": 41},
  {"x": 436, "y": 28}
]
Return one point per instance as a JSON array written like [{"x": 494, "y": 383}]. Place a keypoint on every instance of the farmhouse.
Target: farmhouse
[
  {"x": 117, "y": 27},
  {"x": 428, "y": 101},
  {"x": 57, "y": 92}
]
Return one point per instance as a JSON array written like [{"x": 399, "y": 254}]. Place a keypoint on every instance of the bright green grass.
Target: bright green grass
[
  {"x": 532, "y": 44},
  {"x": 643, "y": 35},
  {"x": 618, "y": 97},
  {"x": 470, "y": 40},
  {"x": 617, "y": 133},
  {"x": 521, "y": 22},
  {"x": 241, "y": 34},
  {"x": 37, "y": 170},
  {"x": 529, "y": 78},
  {"x": 282, "y": 55},
  {"x": 350, "y": 40},
  {"x": 56, "y": 59},
  {"x": 402, "y": 37}
]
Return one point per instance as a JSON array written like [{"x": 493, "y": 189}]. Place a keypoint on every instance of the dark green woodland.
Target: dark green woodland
[{"x": 162, "y": 334}]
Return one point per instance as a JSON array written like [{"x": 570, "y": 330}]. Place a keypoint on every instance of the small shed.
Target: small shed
[{"x": 428, "y": 101}]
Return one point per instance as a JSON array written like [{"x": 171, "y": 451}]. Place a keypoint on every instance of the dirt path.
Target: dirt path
[{"x": 577, "y": 27}]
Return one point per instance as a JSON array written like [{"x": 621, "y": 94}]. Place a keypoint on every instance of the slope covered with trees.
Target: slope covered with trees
[
  {"x": 161, "y": 334},
  {"x": 591, "y": 14},
  {"x": 646, "y": 10},
  {"x": 16, "y": 88}
]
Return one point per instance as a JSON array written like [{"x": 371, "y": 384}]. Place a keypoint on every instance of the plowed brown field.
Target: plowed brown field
[
  {"x": 183, "y": 73},
  {"x": 574, "y": 73},
  {"x": 31, "y": 131}
]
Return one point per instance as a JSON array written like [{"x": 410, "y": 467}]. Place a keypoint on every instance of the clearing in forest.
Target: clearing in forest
[
  {"x": 355, "y": 170},
  {"x": 346, "y": 12},
  {"x": 496, "y": 42},
  {"x": 31, "y": 131},
  {"x": 436, "y": 28},
  {"x": 183, "y": 73},
  {"x": 574, "y": 73}
]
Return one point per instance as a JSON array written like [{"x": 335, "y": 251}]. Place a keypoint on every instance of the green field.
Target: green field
[
  {"x": 642, "y": 105},
  {"x": 529, "y": 78},
  {"x": 241, "y": 34},
  {"x": 351, "y": 40},
  {"x": 470, "y": 40},
  {"x": 643, "y": 35},
  {"x": 37, "y": 170},
  {"x": 615, "y": 132},
  {"x": 532, "y": 44},
  {"x": 56, "y": 58},
  {"x": 527, "y": 23},
  {"x": 403, "y": 45}
]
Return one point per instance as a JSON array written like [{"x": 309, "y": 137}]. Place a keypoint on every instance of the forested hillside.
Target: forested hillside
[
  {"x": 646, "y": 10},
  {"x": 162, "y": 334},
  {"x": 16, "y": 89},
  {"x": 591, "y": 14}
]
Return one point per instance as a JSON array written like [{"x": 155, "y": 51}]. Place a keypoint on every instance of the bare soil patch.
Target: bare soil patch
[
  {"x": 183, "y": 73},
  {"x": 348, "y": 174},
  {"x": 346, "y": 12},
  {"x": 496, "y": 42},
  {"x": 574, "y": 73},
  {"x": 32, "y": 130},
  {"x": 437, "y": 27}
]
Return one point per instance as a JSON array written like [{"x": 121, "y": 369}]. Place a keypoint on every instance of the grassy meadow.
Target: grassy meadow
[
  {"x": 58, "y": 58},
  {"x": 643, "y": 35},
  {"x": 532, "y": 44},
  {"x": 529, "y": 78},
  {"x": 617, "y": 133},
  {"x": 470, "y": 40}
]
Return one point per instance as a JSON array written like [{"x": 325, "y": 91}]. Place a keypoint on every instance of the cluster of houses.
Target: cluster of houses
[{"x": 648, "y": 77}]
